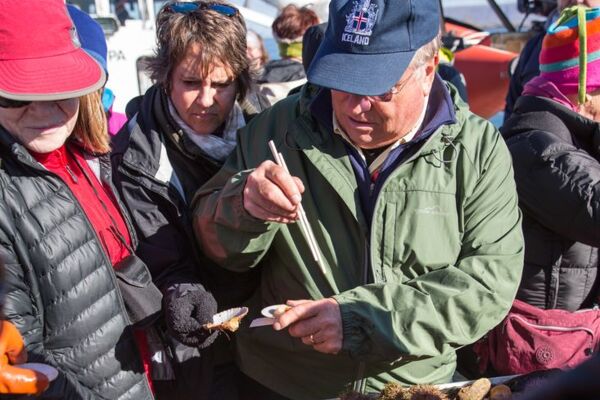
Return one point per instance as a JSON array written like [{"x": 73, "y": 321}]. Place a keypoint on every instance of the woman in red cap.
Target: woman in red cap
[{"x": 64, "y": 240}]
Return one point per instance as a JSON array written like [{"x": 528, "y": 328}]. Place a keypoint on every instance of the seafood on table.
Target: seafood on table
[{"x": 480, "y": 389}]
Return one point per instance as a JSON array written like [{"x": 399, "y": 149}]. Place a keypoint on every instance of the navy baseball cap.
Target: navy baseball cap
[
  {"x": 369, "y": 44},
  {"x": 91, "y": 35}
]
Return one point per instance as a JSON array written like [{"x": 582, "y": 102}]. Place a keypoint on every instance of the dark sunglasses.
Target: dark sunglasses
[
  {"x": 10, "y": 103},
  {"x": 190, "y": 7}
]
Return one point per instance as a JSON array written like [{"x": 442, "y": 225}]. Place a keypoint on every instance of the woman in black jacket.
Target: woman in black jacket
[
  {"x": 62, "y": 234},
  {"x": 554, "y": 137},
  {"x": 179, "y": 135}
]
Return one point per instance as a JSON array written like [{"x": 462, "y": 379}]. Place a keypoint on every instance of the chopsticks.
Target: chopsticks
[{"x": 303, "y": 221}]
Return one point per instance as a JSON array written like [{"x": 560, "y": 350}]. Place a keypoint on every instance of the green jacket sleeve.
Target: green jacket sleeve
[
  {"x": 452, "y": 306},
  {"x": 225, "y": 231}
]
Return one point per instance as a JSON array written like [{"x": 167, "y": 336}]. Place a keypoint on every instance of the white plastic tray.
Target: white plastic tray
[{"x": 495, "y": 381}]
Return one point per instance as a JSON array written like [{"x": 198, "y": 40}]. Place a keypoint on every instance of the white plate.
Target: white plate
[
  {"x": 269, "y": 312},
  {"x": 226, "y": 315},
  {"x": 45, "y": 369},
  {"x": 498, "y": 380}
]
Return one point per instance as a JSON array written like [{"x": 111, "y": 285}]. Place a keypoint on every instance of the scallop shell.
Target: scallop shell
[{"x": 228, "y": 320}]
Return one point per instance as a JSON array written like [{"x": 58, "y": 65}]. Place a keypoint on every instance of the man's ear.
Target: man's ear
[{"x": 430, "y": 68}]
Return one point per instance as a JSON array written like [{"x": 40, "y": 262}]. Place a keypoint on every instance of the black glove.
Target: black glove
[{"x": 188, "y": 307}]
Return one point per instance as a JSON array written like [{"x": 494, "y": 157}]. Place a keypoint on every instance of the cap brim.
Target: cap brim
[
  {"x": 58, "y": 77},
  {"x": 362, "y": 74}
]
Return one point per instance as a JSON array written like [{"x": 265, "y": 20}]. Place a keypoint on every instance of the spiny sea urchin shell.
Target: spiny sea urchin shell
[
  {"x": 391, "y": 391},
  {"x": 424, "y": 392}
]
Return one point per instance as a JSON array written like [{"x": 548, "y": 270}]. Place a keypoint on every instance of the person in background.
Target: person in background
[
  {"x": 256, "y": 52},
  {"x": 411, "y": 199},
  {"x": 310, "y": 44},
  {"x": 115, "y": 119},
  {"x": 184, "y": 128},
  {"x": 553, "y": 138},
  {"x": 63, "y": 236},
  {"x": 528, "y": 65},
  {"x": 121, "y": 11},
  {"x": 92, "y": 39},
  {"x": 449, "y": 73},
  {"x": 280, "y": 76}
]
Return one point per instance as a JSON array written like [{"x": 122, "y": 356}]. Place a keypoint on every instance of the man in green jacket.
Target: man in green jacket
[{"x": 411, "y": 199}]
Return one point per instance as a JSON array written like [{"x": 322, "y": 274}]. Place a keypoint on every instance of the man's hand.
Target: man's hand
[
  {"x": 271, "y": 194},
  {"x": 318, "y": 323},
  {"x": 14, "y": 380}
]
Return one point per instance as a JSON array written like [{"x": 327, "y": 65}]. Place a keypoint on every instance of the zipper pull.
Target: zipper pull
[{"x": 71, "y": 174}]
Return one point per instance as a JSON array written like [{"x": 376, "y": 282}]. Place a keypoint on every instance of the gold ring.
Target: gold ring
[{"x": 312, "y": 339}]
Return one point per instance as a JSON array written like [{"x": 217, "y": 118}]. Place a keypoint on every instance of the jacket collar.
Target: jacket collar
[
  {"x": 149, "y": 129},
  {"x": 11, "y": 146}
]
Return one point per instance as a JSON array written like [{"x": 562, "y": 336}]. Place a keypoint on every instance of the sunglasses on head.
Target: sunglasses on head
[
  {"x": 185, "y": 7},
  {"x": 10, "y": 103}
]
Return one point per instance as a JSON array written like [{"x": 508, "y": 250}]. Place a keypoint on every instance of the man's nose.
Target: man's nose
[{"x": 359, "y": 104}]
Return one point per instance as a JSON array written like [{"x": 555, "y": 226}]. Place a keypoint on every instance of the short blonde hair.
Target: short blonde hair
[{"x": 91, "y": 127}]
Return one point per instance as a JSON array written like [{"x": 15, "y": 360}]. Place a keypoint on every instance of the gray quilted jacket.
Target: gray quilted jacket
[{"x": 60, "y": 288}]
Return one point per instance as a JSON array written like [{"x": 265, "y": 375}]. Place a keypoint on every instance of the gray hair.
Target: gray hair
[{"x": 426, "y": 52}]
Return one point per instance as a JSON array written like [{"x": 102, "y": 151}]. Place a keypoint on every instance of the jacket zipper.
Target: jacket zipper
[
  {"x": 104, "y": 256},
  {"x": 553, "y": 328},
  {"x": 361, "y": 381}
]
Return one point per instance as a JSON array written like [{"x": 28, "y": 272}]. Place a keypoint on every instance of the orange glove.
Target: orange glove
[{"x": 14, "y": 380}]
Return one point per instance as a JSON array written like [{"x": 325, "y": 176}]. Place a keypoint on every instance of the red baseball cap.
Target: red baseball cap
[{"x": 40, "y": 55}]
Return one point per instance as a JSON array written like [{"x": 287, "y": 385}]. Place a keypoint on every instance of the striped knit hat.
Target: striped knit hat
[{"x": 570, "y": 56}]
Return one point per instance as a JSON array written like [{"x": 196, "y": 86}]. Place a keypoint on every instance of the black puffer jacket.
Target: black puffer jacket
[
  {"x": 61, "y": 290},
  {"x": 148, "y": 153},
  {"x": 556, "y": 156}
]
